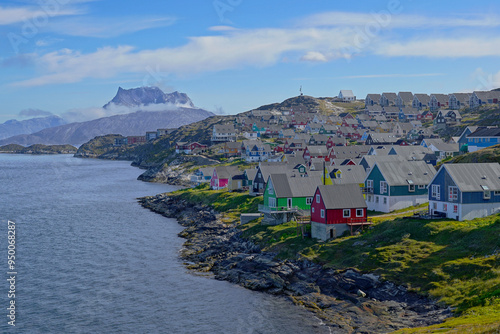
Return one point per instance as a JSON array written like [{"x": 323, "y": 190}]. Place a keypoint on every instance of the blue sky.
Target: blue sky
[{"x": 230, "y": 56}]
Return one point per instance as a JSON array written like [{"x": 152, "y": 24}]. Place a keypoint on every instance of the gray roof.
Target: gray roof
[
  {"x": 342, "y": 196},
  {"x": 372, "y": 159},
  {"x": 383, "y": 138},
  {"x": 494, "y": 132},
  {"x": 418, "y": 172},
  {"x": 251, "y": 172},
  {"x": 226, "y": 172},
  {"x": 406, "y": 96},
  {"x": 470, "y": 177},
  {"x": 441, "y": 146},
  {"x": 350, "y": 151},
  {"x": 423, "y": 98},
  {"x": 412, "y": 152},
  {"x": 349, "y": 174},
  {"x": 288, "y": 187}
]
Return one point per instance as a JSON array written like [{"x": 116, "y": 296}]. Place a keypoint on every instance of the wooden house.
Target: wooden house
[
  {"x": 465, "y": 191},
  {"x": 392, "y": 186},
  {"x": 335, "y": 209}
]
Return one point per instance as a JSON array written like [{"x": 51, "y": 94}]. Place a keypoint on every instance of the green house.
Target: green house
[{"x": 286, "y": 196}]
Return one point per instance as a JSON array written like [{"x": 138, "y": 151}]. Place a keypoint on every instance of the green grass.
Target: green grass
[{"x": 456, "y": 263}]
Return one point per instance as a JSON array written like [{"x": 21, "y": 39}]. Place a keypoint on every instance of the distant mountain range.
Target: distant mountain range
[
  {"x": 176, "y": 110},
  {"x": 144, "y": 96},
  {"x": 14, "y": 127}
]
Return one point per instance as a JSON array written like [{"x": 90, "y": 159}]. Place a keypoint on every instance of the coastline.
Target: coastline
[{"x": 346, "y": 301}]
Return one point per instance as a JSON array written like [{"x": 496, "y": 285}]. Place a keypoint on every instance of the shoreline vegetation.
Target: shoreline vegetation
[{"x": 409, "y": 276}]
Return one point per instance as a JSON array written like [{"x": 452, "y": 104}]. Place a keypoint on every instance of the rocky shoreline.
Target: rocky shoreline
[{"x": 346, "y": 301}]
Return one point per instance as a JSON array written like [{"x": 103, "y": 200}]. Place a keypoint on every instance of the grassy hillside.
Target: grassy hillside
[
  {"x": 489, "y": 154},
  {"x": 457, "y": 263}
]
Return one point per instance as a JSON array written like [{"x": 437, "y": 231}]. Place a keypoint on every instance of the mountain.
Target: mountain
[
  {"x": 168, "y": 111},
  {"x": 14, "y": 127},
  {"x": 144, "y": 96},
  {"x": 127, "y": 125}
]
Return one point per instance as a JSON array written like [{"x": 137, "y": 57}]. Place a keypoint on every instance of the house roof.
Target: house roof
[
  {"x": 441, "y": 146},
  {"x": 374, "y": 97},
  {"x": 406, "y": 96},
  {"x": 289, "y": 187},
  {"x": 251, "y": 172},
  {"x": 390, "y": 96},
  {"x": 412, "y": 152},
  {"x": 383, "y": 137},
  {"x": 317, "y": 150},
  {"x": 226, "y": 172},
  {"x": 406, "y": 172},
  {"x": 224, "y": 128},
  {"x": 475, "y": 176},
  {"x": 342, "y": 196},
  {"x": 349, "y": 174},
  {"x": 441, "y": 98},
  {"x": 423, "y": 98},
  {"x": 347, "y": 93},
  {"x": 351, "y": 151},
  {"x": 485, "y": 132}
]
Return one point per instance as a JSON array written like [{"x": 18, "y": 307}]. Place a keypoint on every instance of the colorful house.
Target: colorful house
[
  {"x": 482, "y": 138},
  {"x": 286, "y": 196},
  {"x": 465, "y": 191},
  {"x": 222, "y": 175},
  {"x": 335, "y": 209},
  {"x": 392, "y": 186}
]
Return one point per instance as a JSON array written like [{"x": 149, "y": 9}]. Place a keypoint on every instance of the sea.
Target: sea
[{"x": 87, "y": 258}]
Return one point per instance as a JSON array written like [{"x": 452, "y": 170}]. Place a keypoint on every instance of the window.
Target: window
[
  {"x": 445, "y": 207},
  {"x": 376, "y": 199},
  {"x": 318, "y": 200},
  {"x": 385, "y": 200},
  {"x": 369, "y": 184},
  {"x": 272, "y": 202},
  {"x": 259, "y": 175},
  {"x": 435, "y": 206},
  {"x": 383, "y": 187},
  {"x": 312, "y": 209},
  {"x": 435, "y": 191},
  {"x": 497, "y": 193},
  {"x": 359, "y": 212},
  {"x": 486, "y": 192},
  {"x": 452, "y": 193},
  {"x": 455, "y": 208},
  {"x": 309, "y": 200},
  {"x": 369, "y": 198},
  {"x": 271, "y": 190},
  {"x": 346, "y": 213},
  {"x": 411, "y": 188},
  {"x": 421, "y": 186},
  {"x": 322, "y": 213}
]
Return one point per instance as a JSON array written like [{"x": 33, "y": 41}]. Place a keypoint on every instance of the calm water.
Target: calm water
[{"x": 91, "y": 260}]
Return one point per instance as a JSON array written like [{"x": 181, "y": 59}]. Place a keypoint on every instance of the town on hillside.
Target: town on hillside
[{"x": 330, "y": 163}]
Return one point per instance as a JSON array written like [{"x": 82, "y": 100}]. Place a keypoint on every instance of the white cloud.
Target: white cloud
[
  {"x": 314, "y": 57},
  {"x": 110, "y": 27},
  {"x": 88, "y": 114},
  {"x": 442, "y": 48},
  {"x": 257, "y": 48},
  {"x": 13, "y": 15},
  {"x": 374, "y": 76},
  {"x": 391, "y": 18},
  {"x": 485, "y": 81}
]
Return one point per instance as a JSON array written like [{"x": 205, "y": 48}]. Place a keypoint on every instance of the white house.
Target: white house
[{"x": 347, "y": 96}]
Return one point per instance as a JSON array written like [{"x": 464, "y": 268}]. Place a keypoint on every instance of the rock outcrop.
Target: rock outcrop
[{"x": 348, "y": 301}]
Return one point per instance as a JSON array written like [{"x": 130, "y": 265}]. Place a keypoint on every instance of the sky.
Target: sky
[{"x": 69, "y": 57}]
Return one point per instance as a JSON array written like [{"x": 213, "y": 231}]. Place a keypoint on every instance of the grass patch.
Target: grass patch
[{"x": 457, "y": 263}]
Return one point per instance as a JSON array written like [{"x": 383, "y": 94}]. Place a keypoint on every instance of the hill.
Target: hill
[
  {"x": 14, "y": 127},
  {"x": 489, "y": 154},
  {"x": 38, "y": 149}
]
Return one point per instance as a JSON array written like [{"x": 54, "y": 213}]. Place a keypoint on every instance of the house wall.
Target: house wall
[
  {"x": 322, "y": 231},
  {"x": 337, "y": 216},
  {"x": 316, "y": 215},
  {"x": 390, "y": 203},
  {"x": 464, "y": 211}
]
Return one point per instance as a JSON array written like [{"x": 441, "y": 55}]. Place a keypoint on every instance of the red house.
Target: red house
[
  {"x": 336, "y": 209},
  {"x": 221, "y": 176}
]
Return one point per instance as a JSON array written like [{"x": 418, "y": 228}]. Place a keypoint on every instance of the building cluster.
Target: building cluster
[{"x": 137, "y": 140}]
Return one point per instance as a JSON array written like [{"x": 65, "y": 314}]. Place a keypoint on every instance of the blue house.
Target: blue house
[
  {"x": 465, "y": 191},
  {"x": 482, "y": 138}
]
